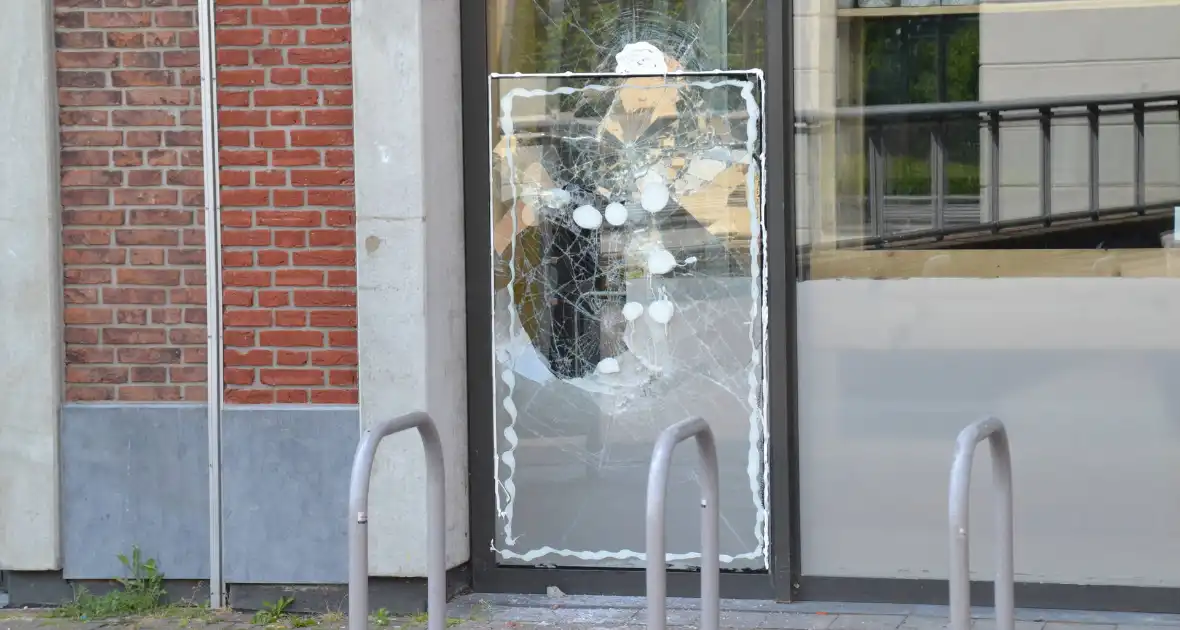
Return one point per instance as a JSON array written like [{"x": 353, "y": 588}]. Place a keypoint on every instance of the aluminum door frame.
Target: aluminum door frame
[{"x": 487, "y": 575}]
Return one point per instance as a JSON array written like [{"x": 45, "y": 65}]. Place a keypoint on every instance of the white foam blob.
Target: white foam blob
[
  {"x": 654, "y": 196},
  {"x": 616, "y": 214},
  {"x": 588, "y": 217},
  {"x": 660, "y": 311},
  {"x": 609, "y": 365},
  {"x": 640, "y": 57},
  {"x": 660, "y": 261},
  {"x": 632, "y": 311}
]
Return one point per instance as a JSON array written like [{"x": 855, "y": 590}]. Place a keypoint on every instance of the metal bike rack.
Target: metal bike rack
[
  {"x": 993, "y": 431},
  {"x": 436, "y": 521},
  {"x": 657, "y": 490}
]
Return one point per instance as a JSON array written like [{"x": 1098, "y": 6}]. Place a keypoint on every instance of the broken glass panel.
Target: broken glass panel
[
  {"x": 584, "y": 35},
  {"x": 629, "y": 288}
]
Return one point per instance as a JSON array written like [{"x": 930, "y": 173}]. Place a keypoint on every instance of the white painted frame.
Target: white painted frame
[{"x": 504, "y": 508}]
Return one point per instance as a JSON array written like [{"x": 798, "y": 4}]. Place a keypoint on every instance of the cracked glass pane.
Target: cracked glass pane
[
  {"x": 627, "y": 228},
  {"x": 584, "y": 35}
]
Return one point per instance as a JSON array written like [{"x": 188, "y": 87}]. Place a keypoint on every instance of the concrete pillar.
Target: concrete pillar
[
  {"x": 30, "y": 290},
  {"x": 412, "y": 332}
]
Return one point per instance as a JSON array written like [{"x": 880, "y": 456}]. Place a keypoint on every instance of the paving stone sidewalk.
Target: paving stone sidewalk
[{"x": 517, "y": 612}]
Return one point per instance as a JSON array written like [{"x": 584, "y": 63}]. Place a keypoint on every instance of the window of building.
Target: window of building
[
  {"x": 986, "y": 196},
  {"x": 627, "y": 271}
]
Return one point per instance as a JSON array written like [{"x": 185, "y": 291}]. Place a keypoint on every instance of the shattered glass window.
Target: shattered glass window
[{"x": 629, "y": 285}]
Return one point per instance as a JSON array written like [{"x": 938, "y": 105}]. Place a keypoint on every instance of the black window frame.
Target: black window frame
[{"x": 488, "y": 576}]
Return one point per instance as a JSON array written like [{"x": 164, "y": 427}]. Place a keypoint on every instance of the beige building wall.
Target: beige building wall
[
  {"x": 816, "y": 55},
  {"x": 1032, "y": 50}
]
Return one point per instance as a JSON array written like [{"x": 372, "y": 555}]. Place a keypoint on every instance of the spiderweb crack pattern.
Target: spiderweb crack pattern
[
  {"x": 628, "y": 278},
  {"x": 630, "y": 287}
]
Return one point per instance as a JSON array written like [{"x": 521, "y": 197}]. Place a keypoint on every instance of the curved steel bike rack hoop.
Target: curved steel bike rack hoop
[
  {"x": 993, "y": 431},
  {"x": 358, "y": 520},
  {"x": 657, "y": 490}
]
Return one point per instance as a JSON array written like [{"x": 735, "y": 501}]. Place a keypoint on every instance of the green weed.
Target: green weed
[
  {"x": 380, "y": 617},
  {"x": 141, "y": 593},
  {"x": 273, "y": 613}
]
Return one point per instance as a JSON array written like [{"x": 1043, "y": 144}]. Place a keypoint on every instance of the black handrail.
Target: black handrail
[
  {"x": 991, "y": 115},
  {"x": 959, "y": 109}
]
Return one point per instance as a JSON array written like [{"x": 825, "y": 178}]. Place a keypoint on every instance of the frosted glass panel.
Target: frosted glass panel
[{"x": 1081, "y": 370}]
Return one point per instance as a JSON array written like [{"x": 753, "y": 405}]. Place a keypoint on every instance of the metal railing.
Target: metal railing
[
  {"x": 436, "y": 520},
  {"x": 990, "y": 117},
  {"x": 993, "y": 431},
  {"x": 657, "y": 489}
]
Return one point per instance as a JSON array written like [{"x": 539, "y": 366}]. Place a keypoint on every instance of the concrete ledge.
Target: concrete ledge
[
  {"x": 51, "y": 588},
  {"x": 37, "y": 588},
  {"x": 397, "y": 595}
]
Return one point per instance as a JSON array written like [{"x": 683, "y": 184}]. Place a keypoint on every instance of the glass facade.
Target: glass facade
[
  {"x": 985, "y": 211},
  {"x": 985, "y": 196}
]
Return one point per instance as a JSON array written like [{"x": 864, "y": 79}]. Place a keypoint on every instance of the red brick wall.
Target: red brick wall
[
  {"x": 288, "y": 238},
  {"x": 131, "y": 194}
]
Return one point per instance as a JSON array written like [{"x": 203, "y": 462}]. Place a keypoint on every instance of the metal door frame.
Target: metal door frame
[{"x": 487, "y": 575}]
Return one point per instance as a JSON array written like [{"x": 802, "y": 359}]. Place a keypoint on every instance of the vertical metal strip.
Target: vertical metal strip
[
  {"x": 1095, "y": 200},
  {"x": 481, "y": 452},
  {"x": 213, "y": 340},
  {"x": 784, "y": 269},
  {"x": 1047, "y": 165},
  {"x": 1140, "y": 159},
  {"x": 938, "y": 180},
  {"x": 993, "y": 179},
  {"x": 877, "y": 168}
]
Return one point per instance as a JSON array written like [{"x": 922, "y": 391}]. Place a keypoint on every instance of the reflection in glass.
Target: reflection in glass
[
  {"x": 627, "y": 235},
  {"x": 997, "y": 246},
  {"x": 942, "y": 135}
]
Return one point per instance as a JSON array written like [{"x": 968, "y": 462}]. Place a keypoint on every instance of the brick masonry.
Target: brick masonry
[
  {"x": 288, "y": 237},
  {"x": 132, "y": 234}
]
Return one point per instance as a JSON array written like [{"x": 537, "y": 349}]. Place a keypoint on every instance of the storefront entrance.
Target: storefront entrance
[
  {"x": 632, "y": 205},
  {"x": 840, "y": 231}
]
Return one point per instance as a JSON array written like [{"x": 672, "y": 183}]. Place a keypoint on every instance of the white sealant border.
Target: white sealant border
[{"x": 758, "y": 461}]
